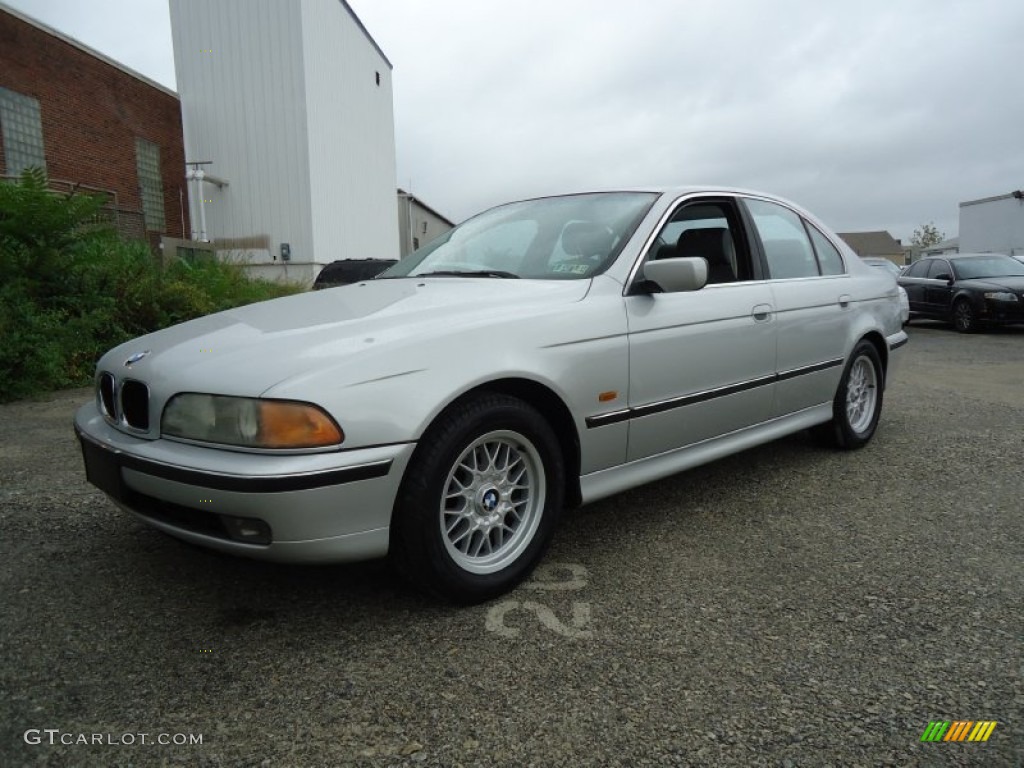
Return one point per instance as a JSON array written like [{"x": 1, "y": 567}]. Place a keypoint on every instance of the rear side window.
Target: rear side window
[
  {"x": 787, "y": 248},
  {"x": 829, "y": 260}
]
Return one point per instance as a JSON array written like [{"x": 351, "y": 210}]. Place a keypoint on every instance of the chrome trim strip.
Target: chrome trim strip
[
  {"x": 805, "y": 217},
  {"x": 604, "y": 419},
  {"x": 700, "y": 397},
  {"x": 794, "y": 372},
  {"x": 736, "y": 196},
  {"x": 661, "y": 406}
]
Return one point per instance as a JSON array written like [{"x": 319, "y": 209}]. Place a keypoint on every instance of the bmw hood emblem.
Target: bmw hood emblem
[{"x": 135, "y": 358}]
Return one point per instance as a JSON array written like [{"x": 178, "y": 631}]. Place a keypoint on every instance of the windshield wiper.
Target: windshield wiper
[{"x": 467, "y": 273}]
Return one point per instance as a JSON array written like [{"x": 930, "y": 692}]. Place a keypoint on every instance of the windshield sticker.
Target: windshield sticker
[{"x": 574, "y": 269}]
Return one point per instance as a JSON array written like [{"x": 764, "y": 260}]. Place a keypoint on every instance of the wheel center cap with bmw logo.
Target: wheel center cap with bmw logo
[{"x": 490, "y": 500}]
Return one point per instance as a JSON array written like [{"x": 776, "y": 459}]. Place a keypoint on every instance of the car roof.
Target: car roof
[
  {"x": 679, "y": 190},
  {"x": 671, "y": 190}
]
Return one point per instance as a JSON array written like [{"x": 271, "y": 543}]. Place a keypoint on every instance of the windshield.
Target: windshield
[
  {"x": 552, "y": 238},
  {"x": 987, "y": 266}
]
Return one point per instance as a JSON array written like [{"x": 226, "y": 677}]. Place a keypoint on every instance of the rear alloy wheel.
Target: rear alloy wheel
[
  {"x": 858, "y": 403},
  {"x": 964, "y": 319},
  {"x": 479, "y": 501}
]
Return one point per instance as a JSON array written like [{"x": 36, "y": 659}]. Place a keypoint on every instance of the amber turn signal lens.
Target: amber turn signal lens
[{"x": 296, "y": 425}]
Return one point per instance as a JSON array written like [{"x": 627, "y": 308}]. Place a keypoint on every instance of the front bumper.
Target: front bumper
[
  {"x": 320, "y": 507},
  {"x": 1002, "y": 312}
]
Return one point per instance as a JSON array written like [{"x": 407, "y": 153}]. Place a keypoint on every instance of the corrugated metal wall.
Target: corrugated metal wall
[
  {"x": 282, "y": 97},
  {"x": 351, "y": 136}
]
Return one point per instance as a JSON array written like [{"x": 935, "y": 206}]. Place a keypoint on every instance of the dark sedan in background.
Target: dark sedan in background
[{"x": 971, "y": 290}]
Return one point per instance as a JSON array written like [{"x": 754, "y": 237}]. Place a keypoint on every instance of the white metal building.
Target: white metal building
[
  {"x": 993, "y": 224},
  {"x": 418, "y": 223},
  {"x": 290, "y": 104}
]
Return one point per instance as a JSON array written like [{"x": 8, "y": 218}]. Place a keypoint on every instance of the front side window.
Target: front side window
[
  {"x": 939, "y": 270},
  {"x": 787, "y": 248},
  {"x": 22, "y": 129},
  {"x": 709, "y": 229},
  {"x": 151, "y": 187},
  {"x": 553, "y": 238}
]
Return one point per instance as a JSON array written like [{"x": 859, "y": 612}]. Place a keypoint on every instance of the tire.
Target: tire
[
  {"x": 479, "y": 501},
  {"x": 858, "y": 401},
  {"x": 964, "y": 319}
]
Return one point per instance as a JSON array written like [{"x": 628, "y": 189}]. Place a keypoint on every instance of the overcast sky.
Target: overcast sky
[{"x": 875, "y": 115}]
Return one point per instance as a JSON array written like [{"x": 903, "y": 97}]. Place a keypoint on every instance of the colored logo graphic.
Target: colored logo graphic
[{"x": 958, "y": 730}]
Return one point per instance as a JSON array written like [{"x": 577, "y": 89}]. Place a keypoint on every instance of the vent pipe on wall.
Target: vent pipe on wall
[{"x": 198, "y": 175}]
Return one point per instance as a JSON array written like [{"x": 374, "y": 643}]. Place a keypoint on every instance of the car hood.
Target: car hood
[
  {"x": 247, "y": 350},
  {"x": 1009, "y": 283}
]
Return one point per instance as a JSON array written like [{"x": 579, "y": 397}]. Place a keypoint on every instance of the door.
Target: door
[
  {"x": 938, "y": 288},
  {"x": 702, "y": 363},
  {"x": 813, "y": 306}
]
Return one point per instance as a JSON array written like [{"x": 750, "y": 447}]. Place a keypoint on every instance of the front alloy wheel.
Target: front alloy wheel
[
  {"x": 963, "y": 317},
  {"x": 479, "y": 500},
  {"x": 493, "y": 501}
]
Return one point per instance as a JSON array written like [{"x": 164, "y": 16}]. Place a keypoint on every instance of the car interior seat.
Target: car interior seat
[
  {"x": 584, "y": 239},
  {"x": 715, "y": 245}
]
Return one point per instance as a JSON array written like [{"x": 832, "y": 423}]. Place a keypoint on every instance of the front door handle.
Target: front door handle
[{"x": 762, "y": 313}]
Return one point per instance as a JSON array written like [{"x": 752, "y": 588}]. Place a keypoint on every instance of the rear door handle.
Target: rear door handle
[
  {"x": 844, "y": 300},
  {"x": 762, "y": 313}
]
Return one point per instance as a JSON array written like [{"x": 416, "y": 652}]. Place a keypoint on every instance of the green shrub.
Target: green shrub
[
  {"x": 72, "y": 289},
  {"x": 32, "y": 343}
]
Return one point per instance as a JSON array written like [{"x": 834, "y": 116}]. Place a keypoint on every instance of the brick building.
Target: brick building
[{"x": 93, "y": 124}]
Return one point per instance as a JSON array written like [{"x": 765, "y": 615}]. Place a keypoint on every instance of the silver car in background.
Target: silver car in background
[{"x": 542, "y": 355}]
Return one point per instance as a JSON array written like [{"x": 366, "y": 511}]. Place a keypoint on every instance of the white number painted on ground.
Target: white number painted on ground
[
  {"x": 546, "y": 575},
  {"x": 549, "y": 577}
]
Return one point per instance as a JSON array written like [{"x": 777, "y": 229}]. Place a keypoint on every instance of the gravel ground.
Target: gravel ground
[{"x": 788, "y": 606}]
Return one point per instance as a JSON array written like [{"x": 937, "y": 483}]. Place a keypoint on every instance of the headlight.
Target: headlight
[
  {"x": 249, "y": 422},
  {"x": 1001, "y": 296}
]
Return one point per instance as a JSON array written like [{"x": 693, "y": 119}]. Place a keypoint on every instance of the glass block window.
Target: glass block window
[
  {"x": 151, "y": 186},
  {"x": 22, "y": 131}
]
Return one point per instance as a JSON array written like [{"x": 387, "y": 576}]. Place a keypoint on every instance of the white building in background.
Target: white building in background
[
  {"x": 993, "y": 224},
  {"x": 290, "y": 104}
]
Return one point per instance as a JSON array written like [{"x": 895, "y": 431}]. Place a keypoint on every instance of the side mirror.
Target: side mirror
[{"x": 677, "y": 275}]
